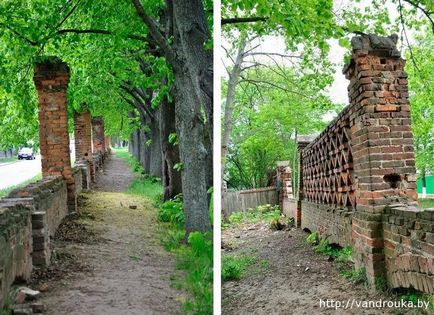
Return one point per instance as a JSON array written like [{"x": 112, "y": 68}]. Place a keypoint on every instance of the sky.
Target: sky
[{"x": 338, "y": 90}]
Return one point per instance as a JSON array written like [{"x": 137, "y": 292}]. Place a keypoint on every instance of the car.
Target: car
[{"x": 26, "y": 153}]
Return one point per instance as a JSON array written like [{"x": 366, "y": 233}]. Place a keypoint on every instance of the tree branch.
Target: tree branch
[
  {"x": 243, "y": 20},
  {"x": 26, "y": 39},
  {"x": 156, "y": 34},
  {"x": 425, "y": 11},
  {"x": 97, "y": 31}
]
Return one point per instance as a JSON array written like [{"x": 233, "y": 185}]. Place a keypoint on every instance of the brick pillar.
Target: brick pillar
[
  {"x": 83, "y": 140},
  {"x": 382, "y": 143},
  {"x": 302, "y": 142},
  {"x": 98, "y": 135},
  {"x": 51, "y": 79}
]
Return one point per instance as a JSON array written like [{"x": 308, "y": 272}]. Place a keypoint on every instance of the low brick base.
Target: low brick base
[
  {"x": 330, "y": 222},
  {"x": 292, "y": 209}
]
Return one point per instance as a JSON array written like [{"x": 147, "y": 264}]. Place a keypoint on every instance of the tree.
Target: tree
[{"x": 103, "y": 42}]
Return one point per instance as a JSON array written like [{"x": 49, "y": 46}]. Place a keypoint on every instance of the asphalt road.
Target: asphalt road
[{"x": 15, "y": 173}]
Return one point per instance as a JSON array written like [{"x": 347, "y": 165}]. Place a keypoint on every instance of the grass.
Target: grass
[
  {"x": 425, "y": 203},
  {"x": 6, "y": 191},
  {"x": 8, "y": 160},
  {"x": 357, "y": 276},
  {"x": 266, "y": 213},
  {"x": 246, "y": 262},
  {"x": 194, "y": 255},
  {"x": 414, "y": 296},
  {"x": 322, "y": 246}
]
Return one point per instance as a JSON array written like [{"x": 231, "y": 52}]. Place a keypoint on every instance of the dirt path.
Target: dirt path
[
  {"x": 294, "y": 279},
  {"x": 114, "y": 264}
]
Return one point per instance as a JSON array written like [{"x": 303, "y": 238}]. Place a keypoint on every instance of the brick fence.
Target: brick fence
[
  {"x": 30, "y": 216},
  {"x": 357, "y": 179}
]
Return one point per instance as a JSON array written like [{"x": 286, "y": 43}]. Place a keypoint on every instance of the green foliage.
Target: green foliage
[
  {"x": 233, "y": 267},
  {"x": 356, "y": 276},
  {"x": 411, "y": 295},
  {"x": 196, "y": 260},
  {"x": 425, "y": 203},
  {"x": 323, "y": 246},
  {"x": 266, "y": 118},
  {"x": 255, "y": 215},
  {"x": 171, "y": 211}
]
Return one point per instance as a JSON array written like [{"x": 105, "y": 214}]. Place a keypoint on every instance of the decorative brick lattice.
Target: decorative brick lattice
[{"x": 328, "y": 167}]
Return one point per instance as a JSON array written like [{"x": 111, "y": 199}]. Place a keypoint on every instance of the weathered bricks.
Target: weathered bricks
[
  {"x": 51, "y": 79},
  {"x": 83, "y": 143},
  {"x": 362, "y": 165}
]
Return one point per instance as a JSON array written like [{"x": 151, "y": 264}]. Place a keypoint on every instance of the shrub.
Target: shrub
[{"x": 172, "y": 211}]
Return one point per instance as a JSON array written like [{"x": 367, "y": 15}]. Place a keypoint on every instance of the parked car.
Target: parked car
[{"x": 26, "y": 153}]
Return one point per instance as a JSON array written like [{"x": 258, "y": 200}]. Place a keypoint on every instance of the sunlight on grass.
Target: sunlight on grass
[
  {"x": 6, "y": 191},
  {"x": 8, "y": 160}
]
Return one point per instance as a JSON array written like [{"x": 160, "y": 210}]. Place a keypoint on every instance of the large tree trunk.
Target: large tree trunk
[
  {"x": 155, "y": 146},
  {"x": 145, "y": 153},
  {"x": 171, "y": 177},
  {"x": 193, "y": 155}
]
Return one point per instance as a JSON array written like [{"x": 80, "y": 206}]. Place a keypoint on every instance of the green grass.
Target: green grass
[
  {"x": 233, "y": 267},
  {"x": 143, "y": 185},
  {"x": 265, "y": 213},
  {"x": 426, "y": 203},
  {"x": 322, "y": 246},
  {"x": 194, "y": 255},
  {"x": 357, "y": 276},
  {"x": 6, "y": 191},
  {"x": 8, "y": 160}
]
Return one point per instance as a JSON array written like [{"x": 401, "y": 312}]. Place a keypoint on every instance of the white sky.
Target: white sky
[{"x": 338, "y": 90}]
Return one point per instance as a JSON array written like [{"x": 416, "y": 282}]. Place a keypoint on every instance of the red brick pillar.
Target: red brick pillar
[
  {"x": 98, "y": 135},
  {"x": 382, "y": 143},
  {"x": 51, "y": 79},
  {"x": 83, "y": 140},
  {"x": 302, "y": 143}
]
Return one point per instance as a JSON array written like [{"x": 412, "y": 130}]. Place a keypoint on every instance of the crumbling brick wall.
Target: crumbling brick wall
[
  {"x": 408, "y": 234},
  {"x": 51, "y": 80},
  {"x": 361, "y": 164},
  {"x": 15, "y": 246}
]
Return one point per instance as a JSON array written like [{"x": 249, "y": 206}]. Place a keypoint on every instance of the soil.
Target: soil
[
  {"x": 289, "y": 277},
  {"x": 107, "y": 260}
]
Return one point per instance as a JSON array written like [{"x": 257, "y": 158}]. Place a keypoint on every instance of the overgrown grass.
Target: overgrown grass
[
  {"x": 357, "y": 276},
  {"x": 4, "y": 192},
  {"x": 8, "y": 160},
  {"x": 194, "y": 254},
  {"x": 426, "y": 203},
  {"x": 266, "y": 213},
  {"x": 233, "y": 267}
]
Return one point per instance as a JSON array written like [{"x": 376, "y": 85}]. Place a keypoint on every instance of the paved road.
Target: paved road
[{"x": 16, "y": 173}]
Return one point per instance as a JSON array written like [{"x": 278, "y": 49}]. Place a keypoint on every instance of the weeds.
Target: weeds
[
  {"x": 265, "y": 213},
  {"x": 234, "y": 266},
  {"x": 322, "y": 246},
  {"x": 357, "y": 276},
  {"x": 411, "y": 295}
]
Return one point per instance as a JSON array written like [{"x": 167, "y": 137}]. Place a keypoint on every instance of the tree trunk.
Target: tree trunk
[
  {"x": 145, "y": 153},
  {"x": 193, "y": 155},
  {"x": 171, "y": 178},
  {"x": 156, "y": 162},
  {"x": 229, "y": 105}
]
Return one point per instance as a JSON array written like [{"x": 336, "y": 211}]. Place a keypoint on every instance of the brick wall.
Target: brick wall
[
  {"x": 362, "y": 163},
  {"x": 409, "y": 247},
  {"x": 15, "y": 246},
  {"x": 47, "y": 200},
  {"x": 51, "y": 79},
  {"x": 331, "y": 223},
  {"x": 83, "y": 140}
]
